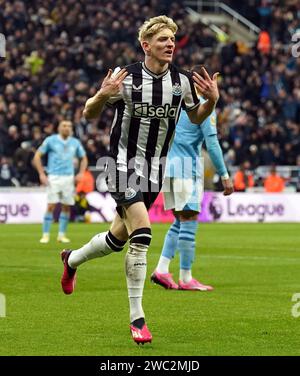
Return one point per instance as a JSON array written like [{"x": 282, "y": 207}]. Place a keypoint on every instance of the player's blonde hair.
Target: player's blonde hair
[{"x": 155, "y": 25}]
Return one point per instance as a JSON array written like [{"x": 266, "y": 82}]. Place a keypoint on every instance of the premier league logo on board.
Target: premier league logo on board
[
  {"x": 176, "y": 90},
  {"x": 215, "y": 208}
]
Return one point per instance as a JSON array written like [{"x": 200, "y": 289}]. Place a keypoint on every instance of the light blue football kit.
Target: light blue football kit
[
  {"x": 61, "y": 154},
  {"x": 60, "y": 170},
  {"x": 184, "y": 159},
  {"x": 184, "y": 169}
]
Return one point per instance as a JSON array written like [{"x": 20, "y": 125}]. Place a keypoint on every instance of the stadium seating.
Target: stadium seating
[{"x": 58, "y": 53}]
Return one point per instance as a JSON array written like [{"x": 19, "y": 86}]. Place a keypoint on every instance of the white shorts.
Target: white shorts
[
  {"x": 183, "y": 194},
  {"x": 61, "y": 189}
]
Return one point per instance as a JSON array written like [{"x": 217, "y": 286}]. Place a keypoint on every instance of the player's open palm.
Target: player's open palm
[
  {"x": 208, "y": 86},
  {"x": 112, "y": 83}
]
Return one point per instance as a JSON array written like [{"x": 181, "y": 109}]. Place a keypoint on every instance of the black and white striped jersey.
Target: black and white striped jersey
[{"x": 147, "y": 110}]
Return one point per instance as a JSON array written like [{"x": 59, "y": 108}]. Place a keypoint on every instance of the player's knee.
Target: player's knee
[
  {"x": 65, "y": 208},
  {"x": 114, "y": 243},
  {"x": 141, "y": 237},
  {"x": 50, "y": 208},
  {"x": 186, "y": 216}
]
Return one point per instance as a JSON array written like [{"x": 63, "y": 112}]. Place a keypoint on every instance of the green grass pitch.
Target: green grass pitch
[{"x": 253, "y": 267}]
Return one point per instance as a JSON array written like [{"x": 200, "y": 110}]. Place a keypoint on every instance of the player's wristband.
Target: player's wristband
[{"x": 225, "y": 177}]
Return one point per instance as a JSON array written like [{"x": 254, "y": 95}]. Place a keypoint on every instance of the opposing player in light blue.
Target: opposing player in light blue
[
  {"x": 61, "y": 149},
  {"x": 183, "y": 192}
]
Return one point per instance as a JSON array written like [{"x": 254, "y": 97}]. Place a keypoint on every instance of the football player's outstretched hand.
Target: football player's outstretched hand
[
  {"x": 207, "y": 85},
  {"x": 112, "y": 83}
]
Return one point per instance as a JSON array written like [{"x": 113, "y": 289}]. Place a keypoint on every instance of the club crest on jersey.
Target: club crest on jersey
[
  {"x": 129, "y": 193},
  {"x": 176, "y": 90}
]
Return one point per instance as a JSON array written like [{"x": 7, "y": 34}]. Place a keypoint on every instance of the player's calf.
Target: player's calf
[{"x": 136, "y": 268}]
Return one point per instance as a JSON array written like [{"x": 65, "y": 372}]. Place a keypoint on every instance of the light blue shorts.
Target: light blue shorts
[{"x": 183, "y": 194}]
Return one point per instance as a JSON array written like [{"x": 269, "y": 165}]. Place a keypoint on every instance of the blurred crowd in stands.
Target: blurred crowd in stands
[{"x": 58, "y": 52}]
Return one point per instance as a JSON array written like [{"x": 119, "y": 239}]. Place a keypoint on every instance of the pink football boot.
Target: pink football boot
[
  {"x": 164, "y": 279},
  {"x": 68, "y": 279},
  {"x": 140, "y": 336},
  {"x": 194, "y": 285}
]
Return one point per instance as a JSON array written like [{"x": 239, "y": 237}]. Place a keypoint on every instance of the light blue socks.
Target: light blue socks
[
  {"x": 186, "y": 243},
  {"x": 48, "y": 218},
  {"x": 169, "y": 248},
  {"x": 63, "y": 222}
]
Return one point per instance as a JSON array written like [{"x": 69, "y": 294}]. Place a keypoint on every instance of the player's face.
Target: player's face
[
  {"x": 161, "y": 46},
  {"x": 65, "y": 129}
]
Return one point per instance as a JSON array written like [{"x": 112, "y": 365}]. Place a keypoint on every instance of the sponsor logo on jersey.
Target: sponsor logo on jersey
[
  {"x": 137, "y": 88},
  {"x": 213, "y": 120},
  {"x": 145, "y": 110}
]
